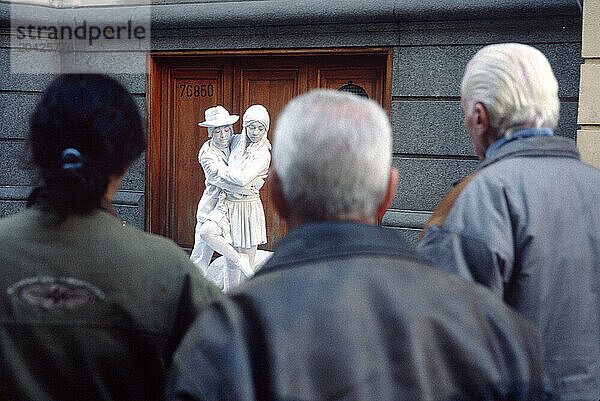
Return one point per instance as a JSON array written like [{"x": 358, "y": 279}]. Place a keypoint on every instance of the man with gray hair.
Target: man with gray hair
[
  {"x": 526, "y": 223},
  {"x": 343, "y": 309}
]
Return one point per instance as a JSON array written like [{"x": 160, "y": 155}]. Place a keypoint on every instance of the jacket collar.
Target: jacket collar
[
  {"x": 516, "y": 135},
  {"x": 537, "y": 146},
  {"x": 323, "y": 240}
]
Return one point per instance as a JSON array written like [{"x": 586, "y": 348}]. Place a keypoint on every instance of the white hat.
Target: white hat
[{"x": 218, "y": 117}]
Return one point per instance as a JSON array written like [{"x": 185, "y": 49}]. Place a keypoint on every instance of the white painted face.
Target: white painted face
[
  {"x": 255, "y": 131},
  {"x": 221, "y": 136}
]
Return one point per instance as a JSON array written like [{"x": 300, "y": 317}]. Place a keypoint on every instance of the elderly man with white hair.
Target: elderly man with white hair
[
  {"x": 526, "y": 223},
  {"x": 343, "y": 309}
]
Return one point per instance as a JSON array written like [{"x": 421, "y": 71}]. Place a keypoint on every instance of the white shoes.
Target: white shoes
[
  {"x": 244, "y": 265},
  {"x": 232, "y": 272}
]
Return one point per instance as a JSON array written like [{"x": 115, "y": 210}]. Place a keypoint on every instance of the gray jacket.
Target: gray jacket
[
  {"x": 344, "y": 311},
  {"x": 527, "y": 225}
]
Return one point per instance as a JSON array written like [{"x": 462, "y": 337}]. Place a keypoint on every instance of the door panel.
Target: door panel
[{"x": 368, "y": 79}]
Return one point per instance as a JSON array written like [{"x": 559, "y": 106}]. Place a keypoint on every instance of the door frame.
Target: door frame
[{"x": 157, "y": 113}]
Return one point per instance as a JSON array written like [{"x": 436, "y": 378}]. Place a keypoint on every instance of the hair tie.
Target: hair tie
[{"x": 71, "y": 158}]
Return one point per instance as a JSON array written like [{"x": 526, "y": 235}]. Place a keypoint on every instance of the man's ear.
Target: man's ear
[
  {"x": 279, "y": 201},
  {"x": 390, "y": 192},
  {"x": 482, "y": 121}
]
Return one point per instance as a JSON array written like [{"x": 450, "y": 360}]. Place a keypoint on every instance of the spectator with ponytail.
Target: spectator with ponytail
[{"x": 89, "y": 308}]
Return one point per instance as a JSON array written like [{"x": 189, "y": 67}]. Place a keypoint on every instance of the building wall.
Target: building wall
[
  {"x": 432, "y": 149},
  {"x": 588, "y": 138},
  {"x": 432, "y": 42}
]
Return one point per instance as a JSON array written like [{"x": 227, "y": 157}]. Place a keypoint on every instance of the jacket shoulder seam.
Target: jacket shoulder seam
[{"x": 441, "y": 211}]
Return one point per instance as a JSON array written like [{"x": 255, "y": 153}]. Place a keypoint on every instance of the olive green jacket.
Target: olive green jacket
[{"x": 90, "y": 309}]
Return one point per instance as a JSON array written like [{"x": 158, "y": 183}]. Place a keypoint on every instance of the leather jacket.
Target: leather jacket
[{"x": 344, "y": 311}]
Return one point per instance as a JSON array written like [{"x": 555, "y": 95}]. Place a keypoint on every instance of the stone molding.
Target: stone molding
[{"x": 315, "y": 12}]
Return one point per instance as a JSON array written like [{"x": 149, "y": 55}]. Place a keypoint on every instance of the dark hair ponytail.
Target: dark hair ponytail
[{"x": 85, "y": 129}]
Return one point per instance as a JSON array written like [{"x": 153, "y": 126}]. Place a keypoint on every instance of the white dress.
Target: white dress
[{"x": 247, "y": 167}]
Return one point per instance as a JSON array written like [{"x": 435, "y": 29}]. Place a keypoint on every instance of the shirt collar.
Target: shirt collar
[{"x": 519, "y": 134}]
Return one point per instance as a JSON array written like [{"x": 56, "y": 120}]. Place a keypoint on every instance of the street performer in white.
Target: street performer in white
[{"x": 237, "y": 223}]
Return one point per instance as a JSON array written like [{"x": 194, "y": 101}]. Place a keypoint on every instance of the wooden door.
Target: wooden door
[{"x": 181, "y": 88}]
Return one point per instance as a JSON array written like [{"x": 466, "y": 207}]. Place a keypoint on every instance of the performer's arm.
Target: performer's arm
[
  {"x": 258, "y": 168},
  {"x": 210, "y": 164}
]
